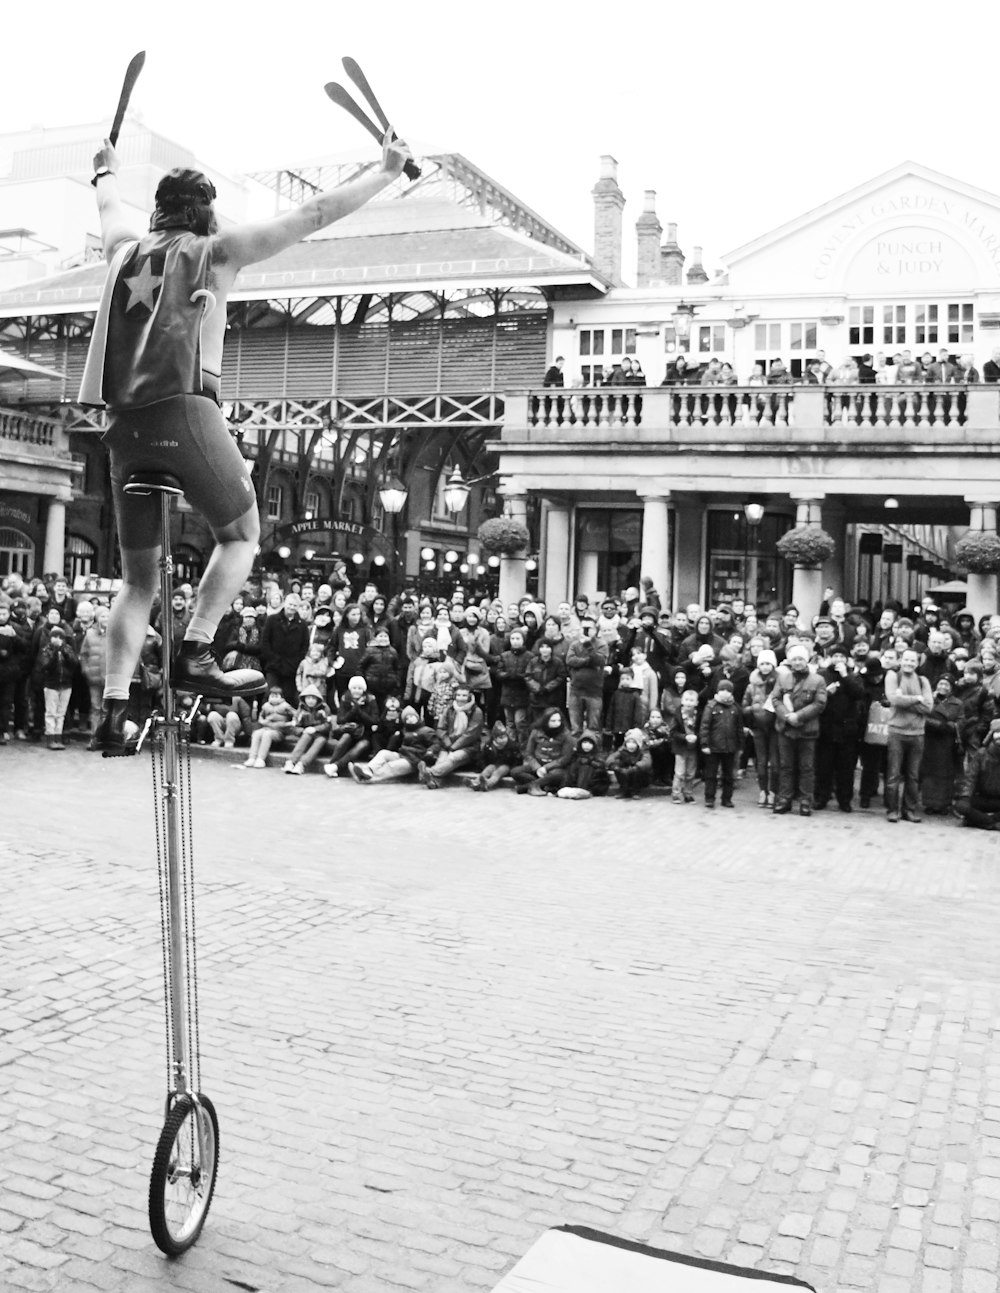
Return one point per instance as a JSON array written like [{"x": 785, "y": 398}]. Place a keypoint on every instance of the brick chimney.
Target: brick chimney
[
  {"x": 609, "y": 202},
  {"x": 647, "y": 231},
  {"x": 696, "y": 274},
  {"x": 671, "y": 259}
]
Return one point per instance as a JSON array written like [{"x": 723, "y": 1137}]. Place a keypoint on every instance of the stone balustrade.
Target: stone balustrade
[
  {"x": 673, "y": 412},
  {"x": 27, "y": 428}
]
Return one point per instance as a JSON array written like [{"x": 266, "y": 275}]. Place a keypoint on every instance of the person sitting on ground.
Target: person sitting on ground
[
  {"x": 587, "y": 775},
  {"x": 353, "y": 728},
  {"x": 312, "y": 722},
  {"x": 547, "y": 753},
  {"x": 497, "y": 755},
  {"x": 228, "y": 721},
  {"x": 418, "y": 743},
  {"x": 459, "y": 731},
  {"x": 274, "y": 724},
  {"x": 388, "y": 733},
  {"x": 631, "y": 765},
  {"x": 721, "y": 736}
]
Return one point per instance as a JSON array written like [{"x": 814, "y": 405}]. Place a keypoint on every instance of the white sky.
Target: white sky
[{"x": 739, "y": 115}]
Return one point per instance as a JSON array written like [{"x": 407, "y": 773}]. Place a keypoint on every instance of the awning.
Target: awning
[{"x": 12, "y": 366}]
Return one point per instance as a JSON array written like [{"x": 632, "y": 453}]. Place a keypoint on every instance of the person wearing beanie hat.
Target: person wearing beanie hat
[
  {"x": 632, "y": 765},
  {"x": 942, "y": 763},
  {"x": 758, "y": 714},
  {"x": 720, "y": 734},
  {"x": 799, "y": 697},
  {"x": 352, "y": 730},
  {"x": 54, "y": 669},
  {"x": 418, "y": 743},
  {"x": 839, "y": 729}
]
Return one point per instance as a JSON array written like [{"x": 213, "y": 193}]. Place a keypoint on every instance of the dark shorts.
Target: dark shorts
[{"x": 187, "y": 436}]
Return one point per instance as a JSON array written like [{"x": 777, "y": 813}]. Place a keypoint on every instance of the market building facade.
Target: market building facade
[{"x": 692, "y": 484}]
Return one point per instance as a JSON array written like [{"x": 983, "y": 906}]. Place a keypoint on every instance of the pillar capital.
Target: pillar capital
[{"x": 654, "y": 495}]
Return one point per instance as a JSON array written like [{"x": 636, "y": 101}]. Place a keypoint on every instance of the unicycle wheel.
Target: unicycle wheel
[{"x": 183, "y": 1177}]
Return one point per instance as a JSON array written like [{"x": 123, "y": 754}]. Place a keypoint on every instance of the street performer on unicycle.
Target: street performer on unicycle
[{"x": 154, "y": 363}]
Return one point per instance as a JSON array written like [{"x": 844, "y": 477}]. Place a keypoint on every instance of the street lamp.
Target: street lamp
[
  {"x": 393, "y": 494},
  {"x": 457, "y": 489},
  {"x": 682, "y": 317},
  {"x": 753, "y": 514}
]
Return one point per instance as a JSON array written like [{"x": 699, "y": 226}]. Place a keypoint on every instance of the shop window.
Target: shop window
[
  {"x": 79, "y": 558},
  {"x": 742, "y": 561},
  {"x": 17, "y": 553}
]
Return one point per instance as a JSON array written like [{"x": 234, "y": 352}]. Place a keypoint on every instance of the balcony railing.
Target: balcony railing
[
  {"x": 774, "y": 411},
  {"x": 28, "y": 428}
]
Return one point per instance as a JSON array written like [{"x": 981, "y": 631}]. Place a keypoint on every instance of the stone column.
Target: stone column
[
  {"x": 513, "y": 577},
  {"x": 556, "y": 580},
  {"x": 982, "y": 596},
  {"x": 55, "y": 538},
  {"x": 655, "y": 559},
  {"x": 807, "y": 581}
]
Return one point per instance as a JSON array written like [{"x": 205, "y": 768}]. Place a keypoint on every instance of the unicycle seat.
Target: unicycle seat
[{"x": 152, "y": 481}]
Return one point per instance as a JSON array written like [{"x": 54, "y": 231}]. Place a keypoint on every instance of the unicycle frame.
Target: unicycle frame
[{"x": 164, "y": 726}]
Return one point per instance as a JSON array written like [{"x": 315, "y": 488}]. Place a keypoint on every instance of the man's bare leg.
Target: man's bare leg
[
  {"x": 226, "y": 572},
  {"x": 227, "y": 569},
  {"x": 127, "y": 627}
]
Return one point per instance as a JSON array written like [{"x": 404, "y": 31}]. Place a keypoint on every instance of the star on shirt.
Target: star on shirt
[{"x": 142, "y": 287}]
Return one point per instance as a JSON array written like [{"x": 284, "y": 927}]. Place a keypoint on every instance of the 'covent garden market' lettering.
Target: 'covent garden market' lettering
[{"x": 907, "y": 204}]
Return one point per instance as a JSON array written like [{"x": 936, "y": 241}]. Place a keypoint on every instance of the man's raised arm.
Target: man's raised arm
[
  {"x": 248, "y": 244},
  {"x": 115, "y": 228}
]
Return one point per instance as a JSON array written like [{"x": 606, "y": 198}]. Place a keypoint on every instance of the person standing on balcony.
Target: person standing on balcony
[
  {"x": 991, "y": 369},
  {"x": 554, "y": 375},
  {"x": 154, "y": 363}
]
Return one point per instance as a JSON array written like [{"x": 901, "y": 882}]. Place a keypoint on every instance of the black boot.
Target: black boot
[
  {"x": 195, "y": 669},
  {"x": 109, "y": 737}
]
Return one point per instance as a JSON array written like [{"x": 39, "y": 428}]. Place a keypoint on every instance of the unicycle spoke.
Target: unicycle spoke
[{"x": 182, "y": 1181}]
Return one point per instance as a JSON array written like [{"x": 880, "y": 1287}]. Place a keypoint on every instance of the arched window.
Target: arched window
[
  {"x": 17, "y": 553},
  {"x": 80, "y": 558}
]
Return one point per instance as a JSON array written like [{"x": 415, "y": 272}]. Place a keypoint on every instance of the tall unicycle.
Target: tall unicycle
[{"x": 186, "y": 1161}]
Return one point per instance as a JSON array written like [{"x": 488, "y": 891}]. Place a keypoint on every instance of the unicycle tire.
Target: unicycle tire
[{"x": 181, "y": 1185}]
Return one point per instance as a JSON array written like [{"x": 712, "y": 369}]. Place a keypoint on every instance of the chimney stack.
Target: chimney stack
[
  {"x": 696, "y": 274},
  {"x": 609, "y": 202},
  {"x": 671, "y": 259},
  {"x": 648, "y": 230}
]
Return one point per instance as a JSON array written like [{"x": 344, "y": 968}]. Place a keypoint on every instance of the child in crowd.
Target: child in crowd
[
  {"x": 357, "y": 718},
  {"x": 274, "y": 722},
  {"x": 499, "y": 753},
  {"x": 314, "y": 671},
  {"x": 445, "y": 684},
  {"x": 645, "y": 679},
  {"x": 684, "y": 743},
  {"x": 313, "y": 725},
  {"x": 627, "y": 708},
  {"x": 721, "y": 736},
  {"x": 631, "y": 765},
  {"x": 380, "y": 667},
  {"x": 389, "y": 732},
  {"x": 587, "y": 775},
  {"x": 656, "y": 734},
  {"x": 515, "y": 698}
]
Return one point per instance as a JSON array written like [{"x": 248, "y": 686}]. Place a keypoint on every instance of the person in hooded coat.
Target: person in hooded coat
[
  {"x": 941, "y": 765},
  {"x": 549, "y": 749}
]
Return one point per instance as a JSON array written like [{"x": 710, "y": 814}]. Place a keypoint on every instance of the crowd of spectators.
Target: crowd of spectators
[{"x": 897, "y": 708}]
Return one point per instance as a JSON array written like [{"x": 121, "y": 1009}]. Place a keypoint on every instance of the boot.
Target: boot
[
  {"x": 196, "y": 670},
  {"x": 56, "y": 742},
  {"x": 109, "y": 736}
]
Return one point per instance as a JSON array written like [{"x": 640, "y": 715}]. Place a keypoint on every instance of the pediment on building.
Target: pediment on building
[{"x": 908, "y": 230}]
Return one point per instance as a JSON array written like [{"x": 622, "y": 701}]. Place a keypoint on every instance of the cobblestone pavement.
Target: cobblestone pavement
[{"x": 436, "y": 1024}]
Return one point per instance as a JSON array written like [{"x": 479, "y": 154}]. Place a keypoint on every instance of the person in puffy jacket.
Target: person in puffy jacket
[
  {"x": 498, "y": 754},
  {"x": 418, "y": 744},
  {"x": 587, "y": 773},
  {"x": 631, "y": 765},
  {"x": 54, "y": 671},
  {"x": 720, "y": 734},
  {"x": 547, "y": 754},
  {"x": 352, "y": 730},
  {"x": 586, "y": 667},
  {"x": 799, "y": 699},
  {"x": 459, "y": 735},
  {"x": 759, "y": 716}
]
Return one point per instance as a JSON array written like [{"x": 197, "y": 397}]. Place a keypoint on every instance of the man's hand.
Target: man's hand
[
  {"x": 395, "y": 154},
  {"x": 792, "y": 718},
  {"x": 107, "y": 159}
]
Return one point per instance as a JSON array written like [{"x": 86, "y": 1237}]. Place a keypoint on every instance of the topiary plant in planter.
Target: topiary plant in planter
[
  {"x": 979, "y": 552},
  {"x": 806, "y": 545},
  {"x": 503, "y": 536}
]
